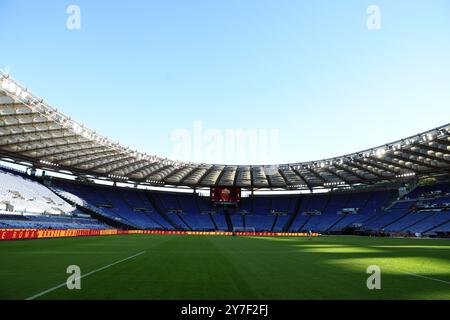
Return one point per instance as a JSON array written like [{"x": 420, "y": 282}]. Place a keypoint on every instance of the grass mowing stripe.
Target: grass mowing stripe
[{"x": 85, "y": 275}]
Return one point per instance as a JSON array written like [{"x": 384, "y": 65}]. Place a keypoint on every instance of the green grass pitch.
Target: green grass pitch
[{"x": 215, "y": 267}]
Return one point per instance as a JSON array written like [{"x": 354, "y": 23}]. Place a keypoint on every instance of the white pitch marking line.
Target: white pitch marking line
[
  {"x": 425, "y": 277},
  {"x": 84, "y": 275}
]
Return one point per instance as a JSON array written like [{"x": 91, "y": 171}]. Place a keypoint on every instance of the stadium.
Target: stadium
[
  {"x": 400, "y": 189},
  {"x": 83, "y": 217}
]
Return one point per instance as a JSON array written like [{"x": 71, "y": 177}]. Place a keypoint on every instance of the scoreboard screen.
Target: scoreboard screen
[{"x": 225, "y": 194}]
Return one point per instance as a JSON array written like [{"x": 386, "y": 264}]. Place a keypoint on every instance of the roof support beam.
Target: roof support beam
[
  {"x": 27, "y": 124},
  {"x": 65, "y": 156},
  {"x": 149, "y": 164},
  {"x": 113, "y": 162},
  {"x": 57, "y": 153},
  {"x": 208, "y": 171},
  {"x": 222, "y": 172},
  {"x": 443, "y": 141},
  {"x": 187, "y": 176},
  {"x": 368, "y": 162},
  {"x": 11, "y": 105},
  {"x": 364, "y": 167},
  {"x": 362, "y": 178},
  {"x": 35, "y": 132},
  {"x": 173, "y": 173},
  {"x": 24, "y": 143},
  {"x": 318, "y": 176},
  {"x": 251, "y": 179},
  {"x": 269, "y": 182},
  {"x": 156, "y": 171},
  {"x": 297, "y": 172},
  {"x": 100, "y": 156},
  {"x": 286, "y": 180},
  {"x": 99, "y": 150},
  {"x": 400, "y": 157},
  {"x": 17, "y": 116},
  {"x": 341, "y": 177},
  {"x": 426, "y": 156},
  {"x": 236, "y": 175},
  {"x": 36, "y": 149},
  {"x": 387, "y": 162},
  {"x": 126, "y": 165},
  {"x": 431, "y": 148}
]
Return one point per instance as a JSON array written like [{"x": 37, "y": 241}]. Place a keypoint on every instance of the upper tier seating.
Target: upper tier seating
[{"x": 20, "y": 194}]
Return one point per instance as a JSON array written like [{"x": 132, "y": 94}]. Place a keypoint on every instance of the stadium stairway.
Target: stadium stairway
[
  {"x": 350, "y": 203},
  {"x": 213, "y": 222},
  {"x": 180, "y": 216},
  {"x": 304, "y": 223},
  {"x": 380, "y": 210},
  {"x": 365, "y": 202},
  {"x": 410, "y": 221},
  {"x": 437, "y": 226},
  {"x": 322, "y": 206},
  {"x": 426, "y": 225},
  {"x": 330, "y": 216},
  {"x": 392, "y": 200},
  {"x": 162, "y": 213},
  {"x": 143, "y": 208},
  {"x": 228, "y": 220},
  {"x": 152, "y": 218},
  {"x": 337, "y": 222},
  {"x": 294, "y": 215},
  {"x": 371, "y": 217},
  {"x": 395, "y": 216},
  {"x": 220, "y": 221},
  {"x": 274, "y": 223},
  {"x": 155, "y": 216}
]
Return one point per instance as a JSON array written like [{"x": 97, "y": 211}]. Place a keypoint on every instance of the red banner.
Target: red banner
[{"x": 21, "y": 234}]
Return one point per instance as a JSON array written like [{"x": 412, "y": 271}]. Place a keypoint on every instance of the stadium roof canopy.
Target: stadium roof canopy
[{"x": 34, "y": 132}]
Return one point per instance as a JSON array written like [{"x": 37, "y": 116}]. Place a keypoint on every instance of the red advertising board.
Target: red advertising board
[{"x": 23, "y": 234}]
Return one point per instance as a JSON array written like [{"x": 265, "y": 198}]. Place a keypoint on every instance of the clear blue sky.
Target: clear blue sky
[{"x": 138, "y": 70}]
